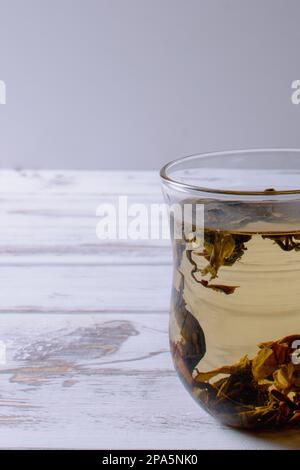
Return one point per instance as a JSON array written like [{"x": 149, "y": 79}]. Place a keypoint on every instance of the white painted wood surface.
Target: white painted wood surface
[{"x": 84, "y": 323}]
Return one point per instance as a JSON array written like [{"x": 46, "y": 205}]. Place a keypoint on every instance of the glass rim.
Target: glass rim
[{"x": 179, "y": 185}]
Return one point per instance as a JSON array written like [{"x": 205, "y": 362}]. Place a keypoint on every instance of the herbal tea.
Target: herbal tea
[{"x": 235, "y": 320}]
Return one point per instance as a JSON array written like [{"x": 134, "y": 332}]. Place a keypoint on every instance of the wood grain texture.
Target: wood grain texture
[{"x": 84, "y": 324}]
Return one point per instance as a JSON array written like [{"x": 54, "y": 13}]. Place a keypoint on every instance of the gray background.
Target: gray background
[{"x": 131, "y": 84}]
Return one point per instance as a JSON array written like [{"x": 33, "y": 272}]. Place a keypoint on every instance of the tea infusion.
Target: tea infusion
[{"x": 236, "y": 314}]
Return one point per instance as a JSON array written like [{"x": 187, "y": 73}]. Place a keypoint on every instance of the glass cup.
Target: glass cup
[{"x": 235, "y": 306}]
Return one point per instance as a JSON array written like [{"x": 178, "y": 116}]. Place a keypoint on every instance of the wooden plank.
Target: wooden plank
[
  {"x": 53, "y": 214},
  {"x": 41, "y": 183},
  {"x": 52, "y": 288},
  {"x": 86, "y": 381}
]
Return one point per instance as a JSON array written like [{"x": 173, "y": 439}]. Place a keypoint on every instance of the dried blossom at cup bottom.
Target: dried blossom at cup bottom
[{"x": 260, "y": 392}]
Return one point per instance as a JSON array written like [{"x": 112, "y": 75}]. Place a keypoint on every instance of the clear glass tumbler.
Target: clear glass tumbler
[{"x": 235, "y": 308}]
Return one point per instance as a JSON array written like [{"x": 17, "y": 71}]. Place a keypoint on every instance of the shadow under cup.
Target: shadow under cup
[{"x": 235, "y": 307}]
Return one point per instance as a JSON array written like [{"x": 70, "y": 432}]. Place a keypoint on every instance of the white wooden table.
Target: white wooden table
[{"x": 84, "y": 323}]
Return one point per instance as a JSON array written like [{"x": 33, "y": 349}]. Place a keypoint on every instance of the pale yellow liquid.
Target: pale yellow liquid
[{"x": 265, "y": 306}]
